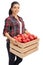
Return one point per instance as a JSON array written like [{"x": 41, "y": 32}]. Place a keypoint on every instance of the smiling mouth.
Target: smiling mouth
[{"x": 16, "y": 11}]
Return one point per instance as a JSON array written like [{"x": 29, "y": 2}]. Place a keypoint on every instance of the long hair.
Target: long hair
[{"x": 15, "y": 2}]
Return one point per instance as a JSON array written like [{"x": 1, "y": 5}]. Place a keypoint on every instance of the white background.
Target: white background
[{"x": 32, "y": 13}]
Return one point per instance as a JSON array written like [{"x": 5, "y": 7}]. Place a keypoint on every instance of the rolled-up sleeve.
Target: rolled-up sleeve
[
  {"x": 24, "y": 24},
  {"x": 6, "y": 27}
]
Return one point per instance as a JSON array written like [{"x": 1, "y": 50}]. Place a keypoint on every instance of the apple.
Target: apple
[
  {"x": 28, "y": 34},
  {"x": 35, "y": 37},
  {"x": 24, "y": 40},
  {"x": 19, "y": 40},
  {"x": 31, "y": 37},
  {"x": 19, "y": 37},
  {"x": 25, "y": 35},
  {"x": 28, "y": 39}
]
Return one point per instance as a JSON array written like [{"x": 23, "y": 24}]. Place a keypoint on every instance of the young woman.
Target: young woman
[{"x": 14, "y": 25}]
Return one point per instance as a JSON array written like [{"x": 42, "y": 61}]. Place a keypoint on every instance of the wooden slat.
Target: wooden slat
[
  {"x": 22, "y": 45},
  {"x": 22, "y": 50},
  {"x": 21, "y": 55}
]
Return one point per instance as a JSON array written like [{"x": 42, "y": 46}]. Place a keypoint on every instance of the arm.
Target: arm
[
  {"x": 6, "y": 30},
  {"x": 10, "y": 38},
  {"x": 26, "y": 31},
  {"x": 6, "y": 27}
]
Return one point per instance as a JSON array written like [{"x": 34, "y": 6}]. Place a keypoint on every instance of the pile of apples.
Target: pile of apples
[{"x": 26, "y": 37}]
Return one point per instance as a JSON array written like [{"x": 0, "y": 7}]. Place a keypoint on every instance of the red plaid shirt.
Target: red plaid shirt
[{"x": 12, "y": 26}]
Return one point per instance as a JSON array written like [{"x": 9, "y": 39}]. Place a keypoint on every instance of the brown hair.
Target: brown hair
[{"x": 15, "y": 2}]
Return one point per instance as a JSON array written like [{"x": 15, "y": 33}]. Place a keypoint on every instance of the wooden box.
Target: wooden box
[{"x": 24, "y": 49}]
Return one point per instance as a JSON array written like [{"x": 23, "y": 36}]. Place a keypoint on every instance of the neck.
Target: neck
[{"x": 15, "y": 15}]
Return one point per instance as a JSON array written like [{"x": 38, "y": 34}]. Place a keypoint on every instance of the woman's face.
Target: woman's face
[{"x": 15, "y": 9}]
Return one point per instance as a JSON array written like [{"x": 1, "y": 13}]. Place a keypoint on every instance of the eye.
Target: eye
[
  {"x": 14, "y": 7},
  {"x": 18, "y": 7}
]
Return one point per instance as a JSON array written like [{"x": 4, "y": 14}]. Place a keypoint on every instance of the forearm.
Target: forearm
[{"x": 8, "y": 36}]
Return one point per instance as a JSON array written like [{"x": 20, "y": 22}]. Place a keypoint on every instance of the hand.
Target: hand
[
  {"x": 14, "y": 41},
  {"x": 26, "y": 31}
]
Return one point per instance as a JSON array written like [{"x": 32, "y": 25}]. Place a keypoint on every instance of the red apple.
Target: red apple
[
  {"x": 25, "y": 35},
  {"x": 19, "y": 37},
  {"x": 28, "y": 39},
  {"x": 31, "y": 37},
  {"x": 35, "y": 37},
  {"x": 19, "y": 40},
  {"x": 24, "y": 40}
]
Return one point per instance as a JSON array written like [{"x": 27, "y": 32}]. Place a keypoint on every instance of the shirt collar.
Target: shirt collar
[{"x": 14, "y": 17}]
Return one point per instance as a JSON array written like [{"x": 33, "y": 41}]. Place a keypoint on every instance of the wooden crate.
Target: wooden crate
[{"x": 24, "y": 49}]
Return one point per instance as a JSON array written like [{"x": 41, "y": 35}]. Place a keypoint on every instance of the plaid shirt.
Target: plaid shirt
[{"x": 12, "y": 26}]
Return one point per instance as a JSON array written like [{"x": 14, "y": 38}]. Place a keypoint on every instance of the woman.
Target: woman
[{"x": 14, "y": 25}]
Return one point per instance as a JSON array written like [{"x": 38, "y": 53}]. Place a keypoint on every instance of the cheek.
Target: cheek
[
  {"x": 15, "y": 10},
  {"x": 18, "y": 10}
]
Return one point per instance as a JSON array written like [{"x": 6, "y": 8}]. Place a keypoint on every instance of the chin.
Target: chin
[{"x": 16, "y": 13}]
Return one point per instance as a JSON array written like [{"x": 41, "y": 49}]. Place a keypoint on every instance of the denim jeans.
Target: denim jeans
[{"x": 12, "y": 57}]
